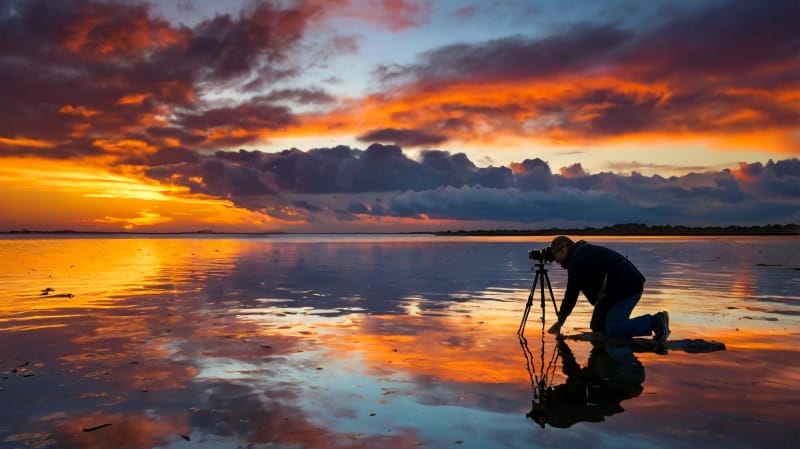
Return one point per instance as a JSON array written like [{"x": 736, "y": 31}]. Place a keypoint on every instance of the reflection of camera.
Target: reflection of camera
[{"x": 542, "y": 255}]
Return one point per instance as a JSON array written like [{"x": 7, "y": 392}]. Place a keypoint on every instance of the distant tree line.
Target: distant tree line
[{"x": 630, "y": 229}]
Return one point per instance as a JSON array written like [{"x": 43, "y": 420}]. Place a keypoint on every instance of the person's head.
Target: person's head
[{"x": 560, "y": 246}]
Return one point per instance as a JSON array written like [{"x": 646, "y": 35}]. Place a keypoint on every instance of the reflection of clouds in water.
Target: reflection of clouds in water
[{"x": 227, "y": 338}]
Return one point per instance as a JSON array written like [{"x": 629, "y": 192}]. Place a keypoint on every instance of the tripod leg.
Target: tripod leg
[
  {"x": 541, "y": 301},
  {"x": 521, "y": 329},
  {"x": 552, "y": 297}
]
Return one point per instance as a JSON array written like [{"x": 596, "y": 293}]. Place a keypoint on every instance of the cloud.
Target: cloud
[
  {"x": 465, "y": 12},
  {"x": 513, "y": 58},
  {"x": 235, "y": 125},
  {"x": 132, "y": 75},
  {"x": 163, "y": 156},
  {"x": 701, "y": 72},
  {"x": 403, "y": 137},
  {"x": 317, "y": 96},
  {"x": 135, "y": 76},
  {"x": 341, "y": 184},
  {"x": 717, "y": 39},
  {"x": 111, "y": 83},
  {"x": 395, "y": 15},
  {"x": 145, "y": 218}
]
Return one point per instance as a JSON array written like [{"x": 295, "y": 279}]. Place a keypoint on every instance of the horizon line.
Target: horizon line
[{"x": 630, "y": 229}]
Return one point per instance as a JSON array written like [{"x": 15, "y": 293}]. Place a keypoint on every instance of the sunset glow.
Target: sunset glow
[{"x": 408, "y": 115}]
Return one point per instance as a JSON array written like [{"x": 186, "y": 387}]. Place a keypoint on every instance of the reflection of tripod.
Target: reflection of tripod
[
  {"x": 541, "y": 278},
  {"x": 541, "y": 380}
]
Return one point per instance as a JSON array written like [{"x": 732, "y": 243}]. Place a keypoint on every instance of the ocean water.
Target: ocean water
[{"x": 385, "y": 341}]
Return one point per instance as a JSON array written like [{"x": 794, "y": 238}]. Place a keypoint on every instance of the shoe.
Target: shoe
[{"x": 662, "y": 327}]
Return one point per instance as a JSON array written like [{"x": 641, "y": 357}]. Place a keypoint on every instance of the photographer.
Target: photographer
[{"x": 612, "y": 284}]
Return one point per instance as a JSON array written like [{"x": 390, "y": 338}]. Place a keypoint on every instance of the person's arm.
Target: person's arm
[
  {"x": 567, "y": 304},
  {"x": 569, "y": 365}
]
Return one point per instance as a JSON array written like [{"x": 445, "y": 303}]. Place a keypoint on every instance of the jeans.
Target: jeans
[{"x": 620, "y": 325}]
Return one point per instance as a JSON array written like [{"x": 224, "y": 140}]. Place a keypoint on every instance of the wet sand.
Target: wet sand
[{"x": 385, "y": 342}]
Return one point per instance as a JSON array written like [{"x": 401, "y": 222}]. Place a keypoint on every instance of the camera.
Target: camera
[{"x": 542, "y": 255}]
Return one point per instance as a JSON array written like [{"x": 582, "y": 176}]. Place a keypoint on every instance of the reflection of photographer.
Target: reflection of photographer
[
  {"x": 590, "y": 393},
  {"x": 610, "y": 282}
]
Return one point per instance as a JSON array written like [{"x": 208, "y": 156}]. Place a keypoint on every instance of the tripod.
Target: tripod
[{"x": 540, "y": 278}]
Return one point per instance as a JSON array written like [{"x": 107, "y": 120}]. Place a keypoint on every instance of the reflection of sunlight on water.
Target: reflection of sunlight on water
[{"x": 92, "y": 274}]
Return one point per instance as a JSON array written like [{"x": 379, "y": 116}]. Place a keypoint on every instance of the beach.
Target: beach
[{"x": 385, "y": 341}]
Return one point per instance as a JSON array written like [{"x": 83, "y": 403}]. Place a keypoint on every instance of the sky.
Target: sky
[{"x": 397, "y": 115}]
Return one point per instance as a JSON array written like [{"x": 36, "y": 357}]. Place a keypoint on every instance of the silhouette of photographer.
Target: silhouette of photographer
[
  {"x": 613, "y": 286},
  {"x": 590, "y": 393}
]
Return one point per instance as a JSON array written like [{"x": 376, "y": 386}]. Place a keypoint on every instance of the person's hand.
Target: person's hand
[{"x": 555, "y": 329}]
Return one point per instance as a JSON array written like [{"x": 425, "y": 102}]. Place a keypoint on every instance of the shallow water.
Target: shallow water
[{"x": 384, "y": 341}]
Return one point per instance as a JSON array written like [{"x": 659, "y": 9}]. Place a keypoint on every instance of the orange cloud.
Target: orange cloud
[
  {"x": 101, "y": 32},
  {"x": 145, "y": 218},
  {"x": 125, "y": 146},
  {"x": 81, "y": 111},
  {"x": 217, "y": 134},
  {"x": 576, "y": 109},
  {"x": 25, "y": 142},
  {"x": 133, "y": 99}
]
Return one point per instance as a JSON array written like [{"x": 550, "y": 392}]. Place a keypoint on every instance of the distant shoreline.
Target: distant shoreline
[
  {"x": 635, "y": 230},
  {"x": 631, "y": 230}
]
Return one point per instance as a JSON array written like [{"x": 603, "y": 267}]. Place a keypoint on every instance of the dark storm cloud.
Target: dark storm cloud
[
  {"x": 713, "y": 61},
  {"x": 215, "y": 177},
  {"x": 242, "y": 121},
  {"x": 722, "y": 38},
  {"x": 108, "y": 69},
  {"x": 403, "y": 137},
  {"x": 514, "y": 58},
  {"x": 330, "y": 185},
  {"x": 779, "y": 179},
  {"x": 533, "y": 174},
  {"x": 229, "y": 47},
  {"x": 338, "y": 170},
  {"x": 607, "y": 198},
  {"x": 308, "y": 96}
]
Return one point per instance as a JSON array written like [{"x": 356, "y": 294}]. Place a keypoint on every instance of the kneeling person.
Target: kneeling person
[{"x": 612, "y": 284}]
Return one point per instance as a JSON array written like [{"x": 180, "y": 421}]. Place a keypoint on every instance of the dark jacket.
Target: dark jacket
[{"x": 603, "y": 275}]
